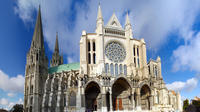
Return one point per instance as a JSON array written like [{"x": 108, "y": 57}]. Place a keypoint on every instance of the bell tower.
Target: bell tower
[{"x": 36, "y": 70}]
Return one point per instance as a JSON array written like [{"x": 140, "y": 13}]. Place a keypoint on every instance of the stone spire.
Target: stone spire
[
  {"x": 100, "y": 22},
  {"x": 127, "y": 20},
  {"x": 128, "y": 27},
  {"x": 37, "y": 67},
  {"x": 56, "y": 58},
  {"x": 99, "y": 15},
  {"x": 56, "y": 44},
  {"x": 38, "y": 40}
]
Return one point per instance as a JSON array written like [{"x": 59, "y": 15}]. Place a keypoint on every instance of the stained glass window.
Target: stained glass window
[{"x": 115, "y": 52}]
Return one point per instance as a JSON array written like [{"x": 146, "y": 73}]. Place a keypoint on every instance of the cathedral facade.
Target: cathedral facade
[{"x": 113, "y": 74}]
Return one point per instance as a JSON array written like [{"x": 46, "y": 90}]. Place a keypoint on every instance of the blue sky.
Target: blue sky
[{"x": 170, "y": 28}]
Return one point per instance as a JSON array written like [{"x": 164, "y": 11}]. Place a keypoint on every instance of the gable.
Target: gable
[{"x": 114, "y": 22}]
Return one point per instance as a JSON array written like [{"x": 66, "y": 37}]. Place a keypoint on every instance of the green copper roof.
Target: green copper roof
[{"x": 64, "y": 67}]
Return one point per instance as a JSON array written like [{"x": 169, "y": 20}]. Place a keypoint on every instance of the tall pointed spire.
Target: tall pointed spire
[
  {"x": 56, "y": 44},
  {"x": 38, "y": 40},
  {"x": 127, "y": 20},
  {"x": 56, "y": 58},
  {"x": 128, "y": 27},
  {"x": 99, "y": 15}
]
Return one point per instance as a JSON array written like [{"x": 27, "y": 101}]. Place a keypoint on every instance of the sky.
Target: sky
[{"x": 171, "y": 30}]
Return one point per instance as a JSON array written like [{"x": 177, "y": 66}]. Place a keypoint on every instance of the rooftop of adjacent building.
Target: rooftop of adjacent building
[{"x": 64, "y": 67}]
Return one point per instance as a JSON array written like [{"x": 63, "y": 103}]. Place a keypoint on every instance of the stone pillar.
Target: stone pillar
[
  {"x": 133, "y": 100},
  {"x": 151, "y": 102},
  {"x": 138, "y": 106},
  {"x": 51, "y": 95},
  {"x": 83, "y": 106},
  {"x": 59, "y": 95}
]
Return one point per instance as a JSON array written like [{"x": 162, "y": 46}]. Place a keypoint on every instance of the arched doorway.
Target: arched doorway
[
  {"x": 145, "y": 93},
  {"x": 121, "y": 95},
  {"x": 92, "y": 97}
]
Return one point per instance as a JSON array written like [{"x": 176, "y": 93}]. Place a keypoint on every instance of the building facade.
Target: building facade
[{"x": 113, "y": 74}]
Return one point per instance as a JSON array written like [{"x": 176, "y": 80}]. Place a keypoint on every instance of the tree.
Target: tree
[
  {"x": 17, "y": 108},
  {"x": 185, "y": 104}
]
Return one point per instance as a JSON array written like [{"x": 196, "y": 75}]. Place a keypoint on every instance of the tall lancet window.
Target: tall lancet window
[
  {"x": 94, "y": 58},
  {"x": 116, "y": 69},
  {"x": 111, "y": 69},
  {"x": 94, "y": 47},
  {"x": 125, "y": 70},
  {"x": 120, "y": 69},
  {"x": 107, "y": 68},
  {"x": 89, "y": 58},
  {"x": 89, "y": 46},
  {"x": 72, "y": 99}
]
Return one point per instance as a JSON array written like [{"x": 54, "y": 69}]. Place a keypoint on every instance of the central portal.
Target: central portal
[
  {"x": 121, "y": 92},
  {"x": 92, "y": 97}
]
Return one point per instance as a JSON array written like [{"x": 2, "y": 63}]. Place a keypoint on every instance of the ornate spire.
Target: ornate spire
[
  {"x": 38, "y": 40},
  {"x": 56, "y": 58},
  {"x": 127, "y": 20},
  {"x": 56, "y": 44},
  {"x": 99, "y": 15}
]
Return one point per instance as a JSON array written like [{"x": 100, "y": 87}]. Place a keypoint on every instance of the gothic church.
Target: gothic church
[{"x": 113, "y": 74}]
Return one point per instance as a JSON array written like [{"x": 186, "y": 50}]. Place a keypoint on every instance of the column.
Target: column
[
  {"x": 138, "y": 106},
  {"x": 59, "y": 95}
]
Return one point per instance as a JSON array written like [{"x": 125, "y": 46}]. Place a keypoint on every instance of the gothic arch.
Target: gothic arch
[
  {"x": 145, "y": 94},
  {"x": 121, "y": 94},
  {"x": 121, "y": 77},
  {"x": 92, "y": 96},
  {"x": 95, "y": 81}
]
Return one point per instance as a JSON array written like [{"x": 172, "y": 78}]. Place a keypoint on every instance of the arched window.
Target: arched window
[
  {"x": 138, "y": 63},
  {"x": 133, "y": 50},
  {"x": 125, "y": 70},
  {"x": 89, "y": 58},
  {"x": 88, "y": 46},
  {"x": 116, "y": 69},
  {"x": 72, "y": 99},
  {"x": 156, "y": 71},
  {"x": 120, "y": 69},
  {"x": 107, "y": 68},
  {"x": 111, "y": 69},
  {"x": 94, "y": 58},
  {"x": 94, "y": 47}
]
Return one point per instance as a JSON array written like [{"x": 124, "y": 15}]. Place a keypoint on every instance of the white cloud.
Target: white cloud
[
  {"x": 152, "y": 20},
  {"x": 11, "y": 94},
  {"x": 11, "y": 84},
  {"x": 187, "y": 86},
  {"x": 3, "y": 101},
  {"x": 6, "y": 104},
  {"x": 187, "y": 56}
]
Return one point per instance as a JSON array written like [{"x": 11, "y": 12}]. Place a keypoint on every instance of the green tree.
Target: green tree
[
  {"x": 17, "y": 108},
  {"x": 185, "y": 104}
]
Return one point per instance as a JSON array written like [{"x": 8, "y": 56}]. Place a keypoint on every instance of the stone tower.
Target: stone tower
[
  {"x": 36, "y": 70},
  {"x": 56, "y": 58}
]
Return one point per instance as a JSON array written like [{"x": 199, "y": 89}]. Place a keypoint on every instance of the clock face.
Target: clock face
[{"x": 115, "y": 52}]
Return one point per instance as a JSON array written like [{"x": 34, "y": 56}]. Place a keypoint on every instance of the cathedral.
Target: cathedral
[{"x": 113, "y": 74}]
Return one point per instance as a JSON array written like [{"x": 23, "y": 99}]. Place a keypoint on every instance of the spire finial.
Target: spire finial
[
  {"x": 99, "y": 16},
  {"x": 56, "y": 44},
  {"x": 127, "y": 19}
]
